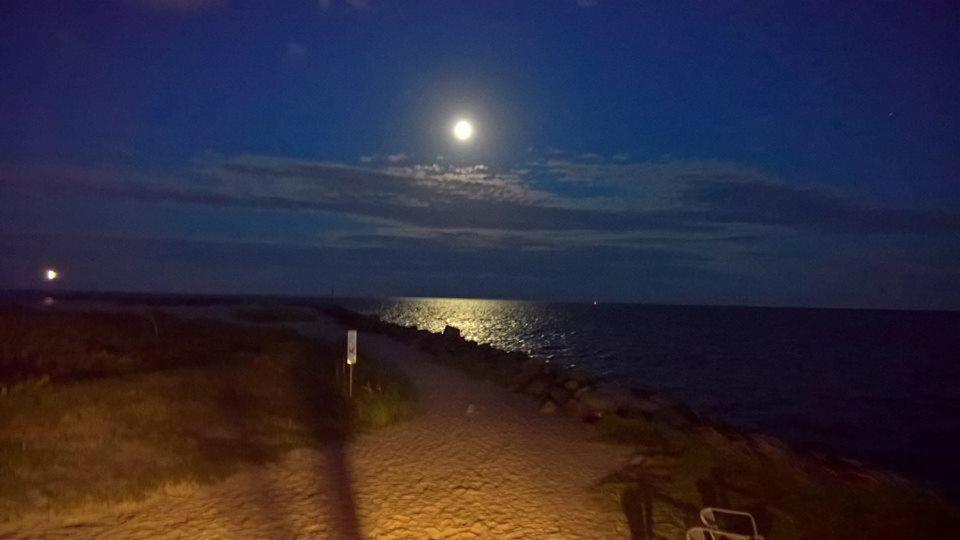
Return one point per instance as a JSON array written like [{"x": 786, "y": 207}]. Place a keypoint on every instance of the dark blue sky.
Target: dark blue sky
[{"x": 695, "y": 152}]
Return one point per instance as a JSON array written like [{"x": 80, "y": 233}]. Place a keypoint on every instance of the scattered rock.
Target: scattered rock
[
  {"x": 770, "y": 447},
  {"x": 651, "y": 448},
  {"x": 575, "y": 409},
  {"x": 551, "y": 370},
  {"x": 579, "y": 376},
  {"x": 520, "y": 357},
  {"x": 526, "y": 374},
  {"x": 628, "y": 405},
  {"x": 559, "y": 394},
  {"x": 661, "y": 461},
  {"x": 648, "y": 406},
  {"x": 673, "y": 417},
  {"x": 548, "y": 407},
  {"x": 598, "y": 402},
  {"x": 537, "y": 387}
]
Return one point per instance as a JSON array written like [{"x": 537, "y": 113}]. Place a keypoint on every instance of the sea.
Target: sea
[{"x": 879, "y": 386}]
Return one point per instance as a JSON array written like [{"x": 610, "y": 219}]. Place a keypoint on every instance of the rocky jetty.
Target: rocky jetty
[
  {"x": 576, "y": 393},
  {"x": 567, "y": 391},
  {"x": 682, "y": 461}
]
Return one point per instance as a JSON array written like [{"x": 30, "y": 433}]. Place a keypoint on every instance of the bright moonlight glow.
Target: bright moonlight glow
[
  {"x": 51, "y": 274},
  {"x": 463, "y": 130}
]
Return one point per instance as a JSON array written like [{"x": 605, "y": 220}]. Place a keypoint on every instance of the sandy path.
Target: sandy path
[{"x": 504, "y": 472}]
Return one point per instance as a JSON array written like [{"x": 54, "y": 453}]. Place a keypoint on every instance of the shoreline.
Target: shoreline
[
  {"x": 595, "y": 396},
  {"x": 659, "y": 459},
  {"x": 624, "y": 414}
]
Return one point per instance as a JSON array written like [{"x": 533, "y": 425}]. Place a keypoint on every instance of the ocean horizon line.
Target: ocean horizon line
[{"x": 78, "y": 293}]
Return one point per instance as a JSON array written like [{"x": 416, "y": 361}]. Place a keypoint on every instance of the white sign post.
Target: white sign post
[{"x": 351, "y": 355}]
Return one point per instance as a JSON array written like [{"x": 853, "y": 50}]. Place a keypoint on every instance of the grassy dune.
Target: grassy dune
[{"x": 101, "y": 407}]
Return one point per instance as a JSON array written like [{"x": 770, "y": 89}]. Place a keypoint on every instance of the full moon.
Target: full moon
[
  {"x": 51, "y": 274},
  {"x": 463, "y": 130}
]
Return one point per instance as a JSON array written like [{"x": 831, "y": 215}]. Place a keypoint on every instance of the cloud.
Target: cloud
[
  {"x": 183, "y": 6},
  {"x": 325, "y": 5},
  {"x": 816, "y": 208},
  {"x": 696, "y": 229},
  {"x": 553, "y": 203},
  {"x": 295, "y": 50},
  {"x": 388, "y": 159}
]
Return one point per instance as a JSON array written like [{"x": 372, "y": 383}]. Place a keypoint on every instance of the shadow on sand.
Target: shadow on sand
[
  {"x": 643, "y": 503},
  {"x": 327, "y": 413}
]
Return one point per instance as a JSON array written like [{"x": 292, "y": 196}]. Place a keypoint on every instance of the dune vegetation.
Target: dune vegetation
[{"x": 105, "y": 407}]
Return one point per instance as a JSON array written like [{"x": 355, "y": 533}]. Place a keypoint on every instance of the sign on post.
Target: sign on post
[
  {"x": 351, "y": 355},
  {"x": 351, "y": 347}
]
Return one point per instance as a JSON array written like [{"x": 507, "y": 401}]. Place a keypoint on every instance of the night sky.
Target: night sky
[{"x": 673, "y": 152}]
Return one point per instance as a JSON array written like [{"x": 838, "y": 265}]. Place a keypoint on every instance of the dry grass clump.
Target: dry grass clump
[
  {"x": 98, "y": 409},
  {"x": 64, "y": 345}
]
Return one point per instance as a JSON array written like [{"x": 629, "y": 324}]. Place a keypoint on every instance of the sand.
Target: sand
[{"x": 505, "y": 471}]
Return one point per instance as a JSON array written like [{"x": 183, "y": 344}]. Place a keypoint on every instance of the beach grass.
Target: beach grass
[{"x": 100, "y": 408}]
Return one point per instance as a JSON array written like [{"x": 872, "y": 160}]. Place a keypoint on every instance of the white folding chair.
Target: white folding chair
[{"x": 710, "y": 517}]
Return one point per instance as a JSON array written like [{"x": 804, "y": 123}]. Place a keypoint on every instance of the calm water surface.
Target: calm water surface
[{"x": 881, "y": 386}]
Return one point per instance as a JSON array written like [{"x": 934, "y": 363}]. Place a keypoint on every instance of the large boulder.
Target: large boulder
[
  {"x": 675, "y": 417},
  {"x": 770, "y": 447},
  {"x": 599, "y": 403},
  {"x": 527, "y": 372},
  {"x": 520, "y": 357},
  {"x": 538, "y": 387},
  {"x": 579, "y": 377},
  {"x": 488, "y": 352},
  {"x": 451, "y": 332},
  {"x": 575, "y": 409},
  {"x": 628, "y": 404},
  {"x": 648, "y": 406},
  {"x": 559, "y": 394}
]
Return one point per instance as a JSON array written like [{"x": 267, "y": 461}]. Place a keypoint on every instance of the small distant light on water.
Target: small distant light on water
[
  {"x": 463, "y": 130},
  {"x": 51, "y": 274}
]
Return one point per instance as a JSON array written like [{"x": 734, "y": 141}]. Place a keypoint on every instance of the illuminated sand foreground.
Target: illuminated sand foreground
[{"x": 506, "y": 471}]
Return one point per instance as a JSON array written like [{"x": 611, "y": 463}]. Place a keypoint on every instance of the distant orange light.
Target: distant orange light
[{"x": 52, "y": 274}]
